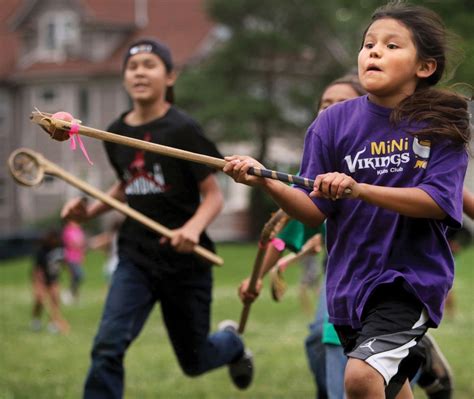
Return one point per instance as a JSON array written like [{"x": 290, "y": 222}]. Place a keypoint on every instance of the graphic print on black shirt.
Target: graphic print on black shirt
[
  {"x": 139, "y": 180},
  {"x": 163, "y": 188}
]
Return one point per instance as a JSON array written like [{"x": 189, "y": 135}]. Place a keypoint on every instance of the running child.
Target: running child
[
  {"x": 45, "y": 280},
  {"x": 151, "y": 269},
  {"x": 328, "y": 371},
  {"x": 389, "y": 170}
]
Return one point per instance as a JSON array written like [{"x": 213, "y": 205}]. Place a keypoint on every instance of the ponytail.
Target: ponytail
[{"x": 442, "y": 114}]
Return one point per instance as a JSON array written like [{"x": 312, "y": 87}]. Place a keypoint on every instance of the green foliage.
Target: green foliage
[
  {"x": 458, "y": 16},
  {"x": 45, "y": 366},
  {"x": 248, "y": 86},
  {"x": 276, "y": 56}
]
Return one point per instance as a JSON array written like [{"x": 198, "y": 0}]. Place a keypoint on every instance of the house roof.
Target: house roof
[
  {"x": 181, "y": 24},
  {"x": 8, "y": 39},
  {"x": 112, "y": 11}
]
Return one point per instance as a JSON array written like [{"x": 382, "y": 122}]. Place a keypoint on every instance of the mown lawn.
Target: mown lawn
[{"x": 42, "y": 365}]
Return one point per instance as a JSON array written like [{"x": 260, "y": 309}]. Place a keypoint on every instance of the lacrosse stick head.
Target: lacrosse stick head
[
  {"x": 26, "y": 167},
  {"x": 277, "y": 283},
  {"x": 57, "y": 125},
  {"x": 277, "y": 222}
]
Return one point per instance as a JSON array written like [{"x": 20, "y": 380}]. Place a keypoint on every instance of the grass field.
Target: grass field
[{"x": 41, "y": 365}]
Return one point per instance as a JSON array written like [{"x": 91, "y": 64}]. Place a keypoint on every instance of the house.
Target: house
[{"x": 67, "y": 55}]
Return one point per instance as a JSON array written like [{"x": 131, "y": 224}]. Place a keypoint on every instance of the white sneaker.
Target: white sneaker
[
  {"x": 53, "y": 329},
  {"x": 228, "y": 325},
  {"x": 66, "y": 298},
  {"x": 35, "y": 325}
]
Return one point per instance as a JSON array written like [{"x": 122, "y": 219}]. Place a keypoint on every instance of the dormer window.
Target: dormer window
[{"x": 58, "y": 33}]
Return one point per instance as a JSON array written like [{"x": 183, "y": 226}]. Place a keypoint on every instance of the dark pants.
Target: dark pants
[
  {"x": 185, "y": 300},
  {"x": 77, "y": 275}
]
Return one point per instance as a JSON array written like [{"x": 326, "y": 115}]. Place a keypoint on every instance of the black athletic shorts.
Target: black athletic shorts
[{"x": 393, "y": 322}]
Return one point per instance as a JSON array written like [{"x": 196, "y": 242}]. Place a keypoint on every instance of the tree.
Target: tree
[{"x": 255, "y": 84}]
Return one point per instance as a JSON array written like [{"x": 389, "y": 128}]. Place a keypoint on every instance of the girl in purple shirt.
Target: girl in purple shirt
[{"x": 389, "y": 170}]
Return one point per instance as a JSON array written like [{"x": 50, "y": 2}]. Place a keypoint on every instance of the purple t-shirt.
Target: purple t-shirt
[{"x": 368, "y": 245}]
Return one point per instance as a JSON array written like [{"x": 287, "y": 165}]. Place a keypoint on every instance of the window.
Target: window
[
  {"x": 47, "y": 98},
  {"x": 83, "y": 104},
  {"x": 3, "y": 124},
  {"x": 51, "y": 36},
  {"x": 58, "y": 31},
  {"x": 3, "y": 194},
  {"x": 48, "y": 95}
]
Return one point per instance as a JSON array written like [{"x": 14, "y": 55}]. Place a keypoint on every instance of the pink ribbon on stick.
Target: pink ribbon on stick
[{"x": 73, "y": 132}]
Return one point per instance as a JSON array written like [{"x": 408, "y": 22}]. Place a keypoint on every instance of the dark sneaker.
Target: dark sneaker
[
  {"x": 240, "y": 371},
  {"x": 436, "y": 377}
]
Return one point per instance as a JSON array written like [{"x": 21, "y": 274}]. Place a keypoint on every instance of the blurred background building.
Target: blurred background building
[{"x": 67, "y": 55}]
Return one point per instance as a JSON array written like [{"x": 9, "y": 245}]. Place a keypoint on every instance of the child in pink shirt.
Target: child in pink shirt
[{"x": 74, "y": 249}]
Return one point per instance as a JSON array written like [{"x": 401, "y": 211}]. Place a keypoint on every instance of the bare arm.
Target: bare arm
[
  {"x": 411, "y": 201},
  {"x": 97, "y": 208},
  {"x": 77, "y": 209},
  {"x": 272, "y": 255},
  {"x": 211, "y": 204},
  {"x": 187, "y": 236},
  {"x": 101, "y": 241},
  {"x": 294, "y": 202},
  {"x": 468, "y": 202}
]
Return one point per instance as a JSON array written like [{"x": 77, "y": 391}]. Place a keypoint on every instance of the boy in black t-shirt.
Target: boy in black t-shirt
[{"x": 181, "y": 195}]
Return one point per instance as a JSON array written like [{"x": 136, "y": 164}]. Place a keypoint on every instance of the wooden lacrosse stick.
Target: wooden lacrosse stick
[
  {"x": 277, "y": 282},
  {"x": 61, "y": 130},
  {"x": 29, "y": 167},
  {"x": 270, "y": 229}
]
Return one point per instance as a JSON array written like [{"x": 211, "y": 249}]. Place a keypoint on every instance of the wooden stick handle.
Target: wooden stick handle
[
  {"x": 273, "y": 225},
  {"x": 53, "y": 169},
  {"x": 287, "y": 260},
  {"x": 257, "y": 266},
  {"x": 45, "y": 120}
]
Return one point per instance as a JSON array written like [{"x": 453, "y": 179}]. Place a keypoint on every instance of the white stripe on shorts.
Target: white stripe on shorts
[{"x": 385, "y": 352}]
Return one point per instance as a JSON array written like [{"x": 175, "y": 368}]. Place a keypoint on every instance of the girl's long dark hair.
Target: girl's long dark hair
[{"x": 443, "y": 113}]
